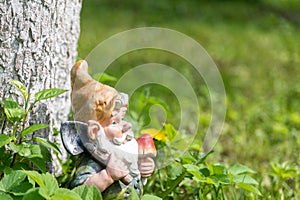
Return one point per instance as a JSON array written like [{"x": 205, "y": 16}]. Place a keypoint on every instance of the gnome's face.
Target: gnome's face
[{"x": 116, "y": 129}]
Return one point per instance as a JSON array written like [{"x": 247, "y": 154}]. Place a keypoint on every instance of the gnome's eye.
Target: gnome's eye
[{"x": 114, "y": 123}]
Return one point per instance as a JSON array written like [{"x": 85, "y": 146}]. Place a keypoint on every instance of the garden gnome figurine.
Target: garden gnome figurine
[{"x": 109, "y": 150}]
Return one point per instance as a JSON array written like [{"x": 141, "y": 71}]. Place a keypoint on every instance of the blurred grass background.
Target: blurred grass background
[{"x": 256, "y": 46}]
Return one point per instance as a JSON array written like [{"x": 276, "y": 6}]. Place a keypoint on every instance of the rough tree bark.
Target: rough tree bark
[{"x": 38, "y": 42}]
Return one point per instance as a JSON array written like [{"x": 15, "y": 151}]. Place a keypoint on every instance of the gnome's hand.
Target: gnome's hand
[
  {"x": 146, "y": 166},
  {"x": 118, "y": 170}
]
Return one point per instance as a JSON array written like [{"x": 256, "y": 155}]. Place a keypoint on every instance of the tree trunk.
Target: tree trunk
[{"x": 38, "y": 41}]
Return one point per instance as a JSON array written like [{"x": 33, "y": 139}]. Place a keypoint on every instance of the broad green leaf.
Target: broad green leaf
[
  {"x": 65, "y": 194},
  {"x": 21, "y": 166},
  {"x": 22, "y": 149},
  {"x": 33, "y": 128},
  {"x": 12, "y": 179},
  {"x": 194, "y": 170},
  {"x": 82, "y": 190},
  {"x": 33, "y": 194},
  {"x": 13, "y": 111},
  {"x": 47, "y": 143},
  {"x": 174, "y": 170},
  {"x": 50, "y": 186},
  {"x": 21, "y": 189},
  {"x": 25, "y": 151},
  {"x": 39, "y": 163},
  {"x": 1, "y": 187},
  {"x": 16, "y": 147},
  {"x": 134, "y": 195},
  {"x": 213, "y": 181},
  {"x": 35, "y": 151},
  {"x": 20, "y": 87},
  {"x": 50, "y": 182},
  {"x": 4, "y": 196},
  {"x": 35, "y": 176},
  {"x": 45, "y": 153},
  {"x": 240, "y": 169},
  {"x": 187, "y": 158},
  {"x": 205, "y": 171},
  {"x": 4, "y": 139},
  {"x": 150, "y": 197},
  {"x": 93, "y": 193},
  {"x": 218, "y": 169},
  {"x": 48, "y": 93},
  {"x": 10, "y": 104},
  {"x": 244, "y": 178},
  {"x": 222, "y": 178},
  {"x": 249, "y": 188}
]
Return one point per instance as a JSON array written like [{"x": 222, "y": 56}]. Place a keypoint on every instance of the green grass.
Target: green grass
[{"x": 256, "y": 46}]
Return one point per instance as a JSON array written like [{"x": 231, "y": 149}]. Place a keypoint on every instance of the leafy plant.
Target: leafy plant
[
  {"x": 17, "y": 142},
  {"x": 190, "y": 176},
  {"x": 28, "y": 185},
  {"x": 17, "y": 154},
  {"x": 286, "y": 180},
  {"x": 17, "y": 150}
]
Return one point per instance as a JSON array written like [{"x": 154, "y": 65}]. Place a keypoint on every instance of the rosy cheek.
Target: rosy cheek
[{"x": 113, "y": 131}]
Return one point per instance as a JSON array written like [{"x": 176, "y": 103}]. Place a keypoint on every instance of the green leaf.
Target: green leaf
[
  {"x": 150, "y": 197},
  {"x": 50, "y": 186},
  {"x": 33, "y": 194},
  {"x": 93, "y": 193},
  {"x": 205, "y": 171},
  {"x": 4, "y": 139},
  {"x": 13, "y": 111},
  {"x": 16, "y": 148},
  {"x": 39, "y": 163},
  {"x": 65, "y": 194},
  {"x": 134, "y": 195},
  {"x": 240, "y": 169},
  {"x": 25, "y": 151},
  {"x": 45, "y": 153},
  {"x": 244, "y": 178},
  {"x": 4, "y": 196},
  {"x": 48, "y": 93},
  {"x": 187, "y": 158},
  {"x": 12, "y": 179},
  {"x": 33, "y": 128},
  {"x": 213, "y": 181},
  {"x": 21, "y": 189},
  {"x": 194, "y": 170},
  {"x": 35, "y": 176},
  {"x": 174, "y": 170},
  {"x": 35, "y": 151},
  {"x": 21, "y": 166},
  {"x": 249, "y": 188},
  {"x": 223, "y": 179},
  {"x": 87, "y": 193},
  {"x": 47, "y": 143},
  {"x": 20, "y": 87},
  {"x": 82, "y": 190},
  {"x": 218, "y": 169}
]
